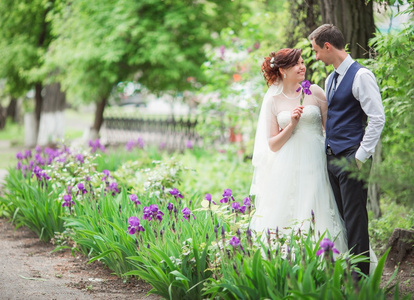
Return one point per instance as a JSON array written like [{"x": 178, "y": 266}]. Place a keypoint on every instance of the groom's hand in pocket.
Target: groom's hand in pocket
[{"x": 358, "y": 163}]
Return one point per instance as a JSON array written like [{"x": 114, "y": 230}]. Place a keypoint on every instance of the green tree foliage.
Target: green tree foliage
[
  {"x": 25, "y": 37},
  {"x": 393, "y": 66},
  {"x": 235, "y": 86},
  {"x": 159, "y": 43},
  {"x": 101, "y": 42}
]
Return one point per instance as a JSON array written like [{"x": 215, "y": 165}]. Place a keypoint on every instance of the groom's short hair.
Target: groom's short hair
[{"x": 328, "y": 33}]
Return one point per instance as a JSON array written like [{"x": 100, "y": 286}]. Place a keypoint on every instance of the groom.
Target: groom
[{"x": 353, "y": 95}]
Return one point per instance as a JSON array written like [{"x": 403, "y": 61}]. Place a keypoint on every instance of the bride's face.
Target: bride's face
[{"x": 297, "y": 72}]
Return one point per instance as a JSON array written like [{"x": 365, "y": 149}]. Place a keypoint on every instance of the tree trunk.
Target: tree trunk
[
  {"x": 374, "y": 187},
  {"x": 100, "y": 107},
  {"x": 401, "y": 243},
  {"x": 304, "y": 18},
  {"x": 12, "y": 109},
  {"x": 51, "y": 128},
  {"x": 3, "y": 117},
  {"x": 54, "y": 99},
  {"x": 355, "y": 18},
  {"x": 38, "y": 106}
]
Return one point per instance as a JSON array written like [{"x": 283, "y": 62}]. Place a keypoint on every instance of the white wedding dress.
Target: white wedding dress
[{"x": 291, "y": 183}]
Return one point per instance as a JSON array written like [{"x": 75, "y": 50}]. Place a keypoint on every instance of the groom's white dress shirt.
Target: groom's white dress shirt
[{"x": 366, "y": 91}]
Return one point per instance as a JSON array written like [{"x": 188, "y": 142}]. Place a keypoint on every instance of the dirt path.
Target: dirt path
[{"x": 29, "y": 271}]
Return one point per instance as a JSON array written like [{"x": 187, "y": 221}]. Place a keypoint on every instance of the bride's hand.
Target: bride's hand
[{"x": 296, "y": 114}]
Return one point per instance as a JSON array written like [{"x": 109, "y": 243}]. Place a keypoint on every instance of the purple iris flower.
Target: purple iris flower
[
  {"x": 248, "y": 233},
  {"x": 186, "y": 213},
  {"x": 106, "y": 175},
  {"x": 147, "y": 213},
  {"x": 61, "y": 159},
  {"x": 81, "y": 188},
  {"x": 189, "y": 145},
  {"x": 152, "y": 212},
  {"x": 134, "y": 225},
  {"x": 305, "y": 85},
  {"x": 208, "y": 198},
  {"x": 226, "y": 195},
  {"x": 224, "y": 200},
  {"x": 67, "y": 201},
  {"x": 19, "y": 165},
  {"x": 38, "y": 149},
  {"x": 45, "y": 176},
  {"x": 129, "y": 145},
  {"x": 140, "y": 143},
  {"x": 134, "y": 198},
  {"x": 113, "y": 187},
  {"x": 162, "y": 145},
  {"x": 238, "y": 208},
  {"x": 39, "y": 159},
  {"x": 24, "y": 170},
  {"x": 235, "y": 242},
  {"x": 19, "y": 156},
  {"x": 80, "y": 158},
  {"x": 176, "y": 193},
  {"x": 95, "y": 145},
  {"x": 247, "y": 201},
  {"x": 28, "y": 154},
  {"x": 235, "y": 205},
  {"x": 40, "y": 174},
  {"x": 326, "y": 246},
  {"x": 170, "y": 207}
]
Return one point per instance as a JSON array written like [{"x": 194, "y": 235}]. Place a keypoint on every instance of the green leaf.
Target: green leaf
[{"x": 103, "y": 254}]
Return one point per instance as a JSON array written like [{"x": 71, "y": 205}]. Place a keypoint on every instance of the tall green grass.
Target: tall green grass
[
  {"x": 33, "y": 204},
  {"x": 180, "y": 257}
]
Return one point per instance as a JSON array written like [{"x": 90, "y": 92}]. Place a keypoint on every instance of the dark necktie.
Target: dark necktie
[{"x": 333, "y": 88}]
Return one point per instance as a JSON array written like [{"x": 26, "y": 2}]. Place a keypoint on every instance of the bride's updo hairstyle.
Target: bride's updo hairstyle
[{"x": 284, "y": 58}]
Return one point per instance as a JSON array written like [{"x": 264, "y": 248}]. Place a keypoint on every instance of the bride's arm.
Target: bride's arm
[
  {"x": 277, "y": 137},
  {"x": 320, "y": 97}
]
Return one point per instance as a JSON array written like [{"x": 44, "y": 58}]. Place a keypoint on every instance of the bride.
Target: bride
[{"x": 290, "y": 178}]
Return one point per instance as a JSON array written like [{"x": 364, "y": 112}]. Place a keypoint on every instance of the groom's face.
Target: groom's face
[{"x": 321, "y": 53}]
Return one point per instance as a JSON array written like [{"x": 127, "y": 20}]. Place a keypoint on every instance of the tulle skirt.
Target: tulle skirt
[{"x": 293, "y": 184}]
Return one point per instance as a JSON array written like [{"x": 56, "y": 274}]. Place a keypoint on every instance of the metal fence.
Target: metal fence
[{"x": 174, "y": 133}]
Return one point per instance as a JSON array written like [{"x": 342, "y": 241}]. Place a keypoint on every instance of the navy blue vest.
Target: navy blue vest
[{"x": 346, "y": 121}]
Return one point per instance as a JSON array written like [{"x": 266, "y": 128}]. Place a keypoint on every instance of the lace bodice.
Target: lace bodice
[
  {"x": 280, "y": 106},
  {"x": 310, "y": 121}
]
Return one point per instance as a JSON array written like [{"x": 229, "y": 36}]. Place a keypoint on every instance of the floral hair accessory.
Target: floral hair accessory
[
  {"x": 305, "y": 85},
  {"x": 272, "y": 65}
]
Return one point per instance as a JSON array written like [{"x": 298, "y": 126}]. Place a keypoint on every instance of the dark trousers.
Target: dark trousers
[{"x": 351, "y": 198}]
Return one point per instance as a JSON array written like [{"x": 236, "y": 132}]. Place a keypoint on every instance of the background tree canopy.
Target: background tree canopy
[{"x": 212, "y": 47}]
